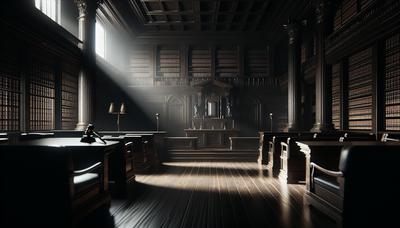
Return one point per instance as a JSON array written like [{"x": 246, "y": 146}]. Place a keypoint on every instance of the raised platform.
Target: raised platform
[
  {"x": 212, "y": 138},
  {"x": 213, "y": 154}
]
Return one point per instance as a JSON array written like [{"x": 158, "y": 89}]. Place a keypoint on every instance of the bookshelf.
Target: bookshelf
[
  {"x": 10, "y": 93},
  {"x": 41, "y": 97},
  {"x": 392, "y": 83},
  {"x": 344, "y": 13},
  {"x": 168, "y": 62},
  {"x": 360, "y": 90},
  {"x": 257, "y": 62},
  {"x": 140, "y": 63},
  {"x": 336, "y": 96},
  {"x": 226, "y": 62},
  {"x": 69, "y": 101},
  {"x": 200, "y": 62}
]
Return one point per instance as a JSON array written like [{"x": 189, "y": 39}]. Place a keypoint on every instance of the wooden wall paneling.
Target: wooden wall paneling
[
  {"x": 241, "y": 60},
  {"x": 392, "y": 83},
  {"x": 213, "y": 50},
  {"x": 184, "y": 61}
]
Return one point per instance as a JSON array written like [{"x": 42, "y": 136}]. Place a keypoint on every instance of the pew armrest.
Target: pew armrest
[
  {"x": 90, "y": 169},
  {"x": 326, "y": 171}
]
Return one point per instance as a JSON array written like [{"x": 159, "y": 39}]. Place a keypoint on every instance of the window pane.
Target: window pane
[
  {"x": 48, "y": 7},
  {"x": 100, "y": 40}
]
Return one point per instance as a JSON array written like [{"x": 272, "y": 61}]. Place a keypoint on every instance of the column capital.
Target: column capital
[
  {"x": 87, "y": 6},
  {"x": 293, "y": 29},
  {"x": 321, "y": 9}
]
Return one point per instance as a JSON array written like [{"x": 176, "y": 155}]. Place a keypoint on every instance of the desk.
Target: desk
[{"x": 37, "y": 181}]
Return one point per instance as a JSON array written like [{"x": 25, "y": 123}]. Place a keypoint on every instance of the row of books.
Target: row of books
[{"x": 392, "y": 82}]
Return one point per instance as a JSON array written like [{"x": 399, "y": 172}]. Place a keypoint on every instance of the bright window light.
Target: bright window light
[
  {"x": 100, "y": 40},
  {"x": 48, "y": 7}
]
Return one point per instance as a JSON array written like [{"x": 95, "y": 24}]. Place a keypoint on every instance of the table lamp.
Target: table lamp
[{"x": 121, "y": 111}]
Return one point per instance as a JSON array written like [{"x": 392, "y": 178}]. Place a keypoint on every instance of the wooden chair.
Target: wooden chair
[{"x": 355, "y": 193}]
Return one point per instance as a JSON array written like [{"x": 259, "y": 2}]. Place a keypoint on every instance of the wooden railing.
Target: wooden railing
[{"x": 246, "y": 82}]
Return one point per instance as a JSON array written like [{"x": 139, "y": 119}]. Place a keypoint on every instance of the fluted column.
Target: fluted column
[
  {"x": 87, "y": 23},
  {"x": 294, "y": 67},
  {"x": 323, "y": 102}
]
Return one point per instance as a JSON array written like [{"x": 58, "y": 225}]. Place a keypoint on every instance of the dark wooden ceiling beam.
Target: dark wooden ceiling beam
[
  {"x": 180, "y": 15},
  {"x": 162, "y": 8},
  {"x": 232, "y": 16},
  {"x": 246, "y": 16},
  {"x": 217, "y": 6},
  {"x": 189, "y": 0},
  {"x": 190, "y": 12},
  {"x": 162, "y": 23},
  {"x": 146, "y": 10},
  {"x": 261, "y": 14},
  {"x": 196, "y": 14}
]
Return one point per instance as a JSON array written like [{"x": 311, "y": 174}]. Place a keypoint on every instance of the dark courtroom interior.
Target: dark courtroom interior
[{"x": 199, "y": 113}]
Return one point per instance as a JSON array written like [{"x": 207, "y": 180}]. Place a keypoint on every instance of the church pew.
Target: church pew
[
  {"x": 3, "y": 138},
  {"x": 346, "y": 181},
  {"x": 149, "y": 160},
  {"x": 292, "y": 169},
  {"x": 274, "y": 153},
  {"x": 122, "y": 163},
  {"x": 157, "y": 140},
  {"x": 266, "y": 145}
]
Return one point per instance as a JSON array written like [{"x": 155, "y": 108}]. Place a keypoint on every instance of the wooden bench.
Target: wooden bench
[
  {"x": 266, "y": 145},
  {"x": 348, "y": 181},
  {"x": 292, "y": 169},
  {"x": 122, "y": 163}
]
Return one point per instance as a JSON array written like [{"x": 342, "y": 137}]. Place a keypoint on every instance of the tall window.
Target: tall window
[
  {"x": 100, "y": 40},
  {"x": 50, "y": 8}
]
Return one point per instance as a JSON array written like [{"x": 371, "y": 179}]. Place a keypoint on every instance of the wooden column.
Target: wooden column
[
  {"x": 293, "y": 76},
  {"x": 87, "y": 22},
  {"x": 323, "y": 77}
]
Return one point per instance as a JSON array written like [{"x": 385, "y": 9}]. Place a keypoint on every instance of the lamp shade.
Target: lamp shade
[
  {"x": 122, "y": 109},
  {"x": 111, "y": 109}
]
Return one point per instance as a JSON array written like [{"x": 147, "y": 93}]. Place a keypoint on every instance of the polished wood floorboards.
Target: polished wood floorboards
[{"x": 213, "y": 194}]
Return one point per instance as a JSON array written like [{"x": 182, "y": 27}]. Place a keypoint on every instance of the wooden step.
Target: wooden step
[{"x": 213, "y": 154}]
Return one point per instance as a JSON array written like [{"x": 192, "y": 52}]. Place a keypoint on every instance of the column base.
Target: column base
[
  {"x": 81, "y": 126},
  {"x": 322, "y": 127},
  {"x": 293, "y": 128}
]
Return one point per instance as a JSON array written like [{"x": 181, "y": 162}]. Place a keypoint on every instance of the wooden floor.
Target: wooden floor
[{"x": 214, "y": 194}]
